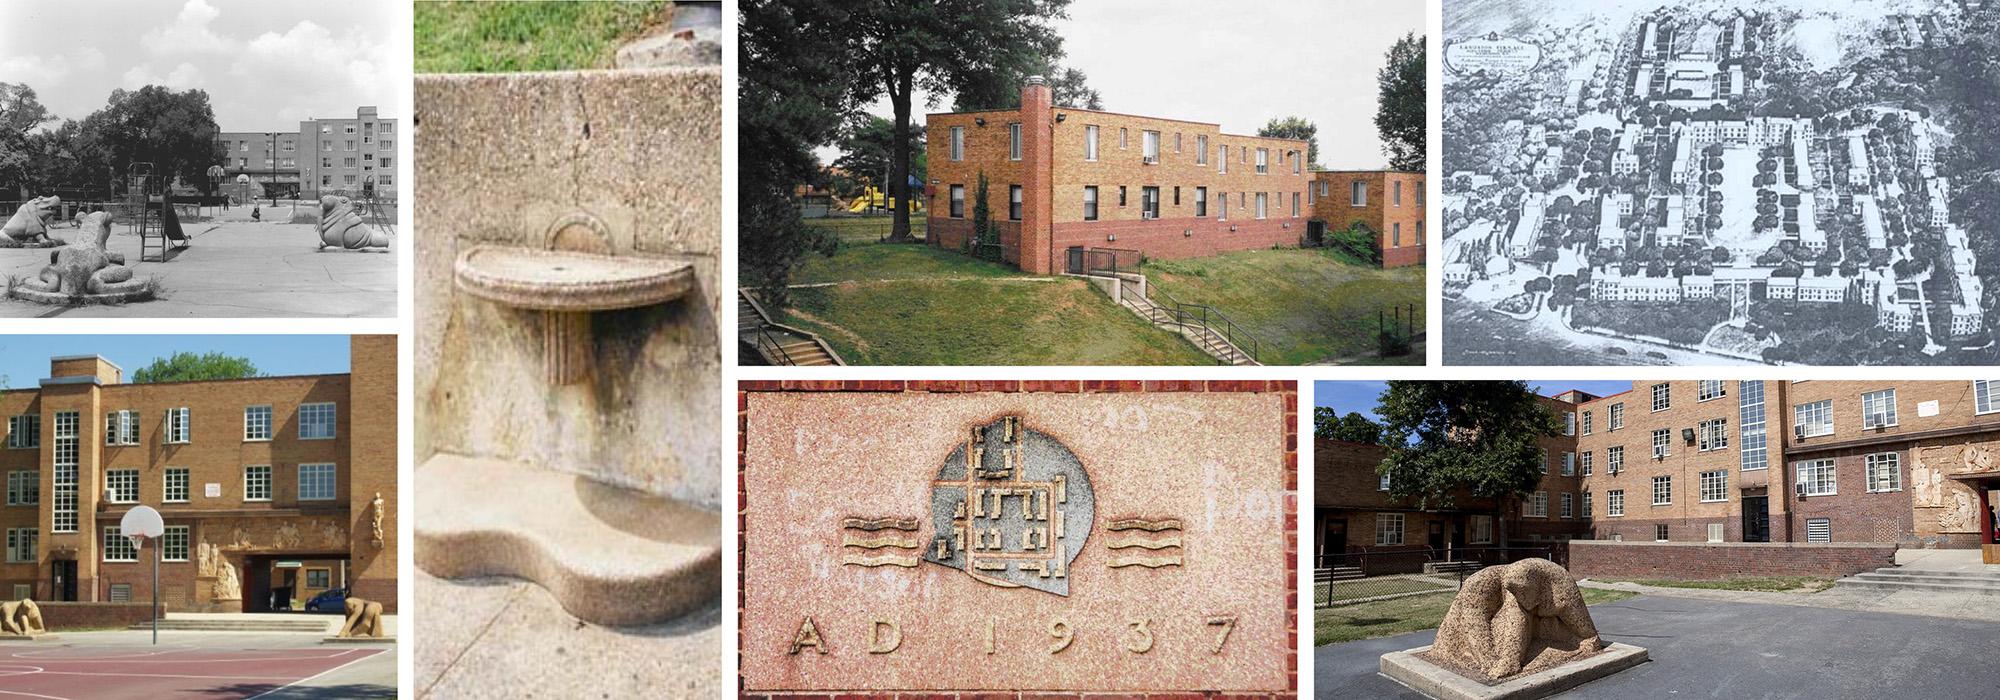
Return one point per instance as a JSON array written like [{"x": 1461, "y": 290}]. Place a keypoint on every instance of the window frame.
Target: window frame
[
  {"x": 175, "y": 537},
  {"x": 180, "y": 425},
  {"x": 1663, "y": 487},
  {"x": 1615, "y": 419},
  {"x": 250, "y": 470},
  {"x": 1014, "y": 202},
  {"x": 1663, "y": 397},
  {"x": 1985, "y": 392},
  {"x": 1808, "y": 474},
  {"x": 1090, "y": 135},
  {"x": 1400, "y": 529},
  {"x": 1090, "y": 204},
  {"x": 1702, "y": 391},
  {"x": 270, "y": 416},
  {"x": 167, "y": 484},
  {"x": 1879, "y": 396},
  {"x": 1718, "y": 480},
  {"x": 1357, "y": 193},
  {"x": 1663, "y": 443},
  {"x": 955, "y": 208},
  {"x": 116, "y": 541},
  {"x": 1584, "y": 463},
  {"x": 1799, "y": 422},
  {"x": 15, "y": 542},
  {"x": 1870, "y": 465},
  {"x": 120, "y": 482},
  {"x": 331, "y": 478},
  {"x": 1614, "y": 503},
  {"x": 1200, "y": 201},
  {"x": 1014, "y": 147},
  {"x": 957, "y": 143}
]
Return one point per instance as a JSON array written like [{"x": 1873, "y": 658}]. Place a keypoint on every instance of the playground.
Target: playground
[
  {"x": 119, "y": 665},
  {"x": 225, "y": 264}
]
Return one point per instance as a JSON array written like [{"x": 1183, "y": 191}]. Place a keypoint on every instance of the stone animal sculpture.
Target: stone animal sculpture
[
  {"x": 85, "y": 267},
  {"x": 29, "y": 226},
  {"x": 21, "y": 617},
  {"x": 1525, "y": 616},
  {"x": 341, "y": 227},
  {"x": 364, "y": 619}
]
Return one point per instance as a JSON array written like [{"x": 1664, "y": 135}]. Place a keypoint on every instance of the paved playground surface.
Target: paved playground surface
[
  {"x": 1715, "y": 649},
  {"x": 122, "y": 664},
  {"x": 233, "y": 268}
]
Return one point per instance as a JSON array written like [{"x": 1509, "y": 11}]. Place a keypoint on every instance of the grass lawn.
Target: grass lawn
[
  {"x": 1302, "y": 305},
  {"x": 505, "y": 37},
  {"x": 872, "y": 261},
  {"x": 1371, "y": 587},
  {"x": 868, "y": 229},
  {"x": 1810, "y": 584},
  {"x": 1414, "y": 613}
]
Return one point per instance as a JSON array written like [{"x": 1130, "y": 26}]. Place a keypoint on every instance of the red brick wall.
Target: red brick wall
[
  {"x": 1852, "y": 513},
  {"x": 75, "y": 616},
  {"x": 952, "y": 234},
  {"x": 1289, "y": 390},
  {"x": 1182, "y": 238},
  {"x": 1692, "y": 561}
]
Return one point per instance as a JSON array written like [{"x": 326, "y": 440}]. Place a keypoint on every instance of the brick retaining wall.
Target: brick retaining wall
[
  {"x": 1719, "y": 560},
  {"x": 73, "y": 616}
]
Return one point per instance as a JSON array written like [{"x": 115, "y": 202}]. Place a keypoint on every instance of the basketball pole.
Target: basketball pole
[{"x": 156, "y": 595}]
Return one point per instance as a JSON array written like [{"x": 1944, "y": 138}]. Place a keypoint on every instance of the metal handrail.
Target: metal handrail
[
  {"x": 1235, "y": 334},
  {"x": 764, "y": 336}
]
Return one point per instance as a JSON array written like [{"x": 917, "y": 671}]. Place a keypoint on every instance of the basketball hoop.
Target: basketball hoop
[{"x": 142, "y": 523}]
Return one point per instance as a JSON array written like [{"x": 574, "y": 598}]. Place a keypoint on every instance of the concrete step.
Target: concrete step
[
  {"x": 1928, "y": 577},
  {"x": 1881, "y": 585},
  {"x": 313, "y": 625},
  {"x": 1986, "y": 575}
]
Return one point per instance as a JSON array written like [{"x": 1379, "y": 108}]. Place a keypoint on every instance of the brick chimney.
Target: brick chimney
[{"x": 1037, "y": 255}]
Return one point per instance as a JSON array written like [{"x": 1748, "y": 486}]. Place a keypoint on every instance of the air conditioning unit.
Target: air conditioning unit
[
  {"x": 1878, "y": 420},
  {"x": 1659, "y": 452},
  {"x": 1150, "y": 160},
  {"x": 1799, "y": 432}
]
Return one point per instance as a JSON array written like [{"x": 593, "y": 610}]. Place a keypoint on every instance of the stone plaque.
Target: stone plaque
[{"x": 1015, "y": 541}]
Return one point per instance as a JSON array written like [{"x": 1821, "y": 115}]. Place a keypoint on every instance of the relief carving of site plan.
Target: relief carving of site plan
[{"x": 1721, "y": 182}]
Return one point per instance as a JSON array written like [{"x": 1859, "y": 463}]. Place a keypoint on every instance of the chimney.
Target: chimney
[{"x": 1037, "y": 254}]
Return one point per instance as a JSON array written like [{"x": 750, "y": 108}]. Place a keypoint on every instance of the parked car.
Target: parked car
[{"x": 332, "y": 600}]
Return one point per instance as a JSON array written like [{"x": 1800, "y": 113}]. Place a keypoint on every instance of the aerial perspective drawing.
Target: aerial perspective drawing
[{"x": 1720, "y": 183}]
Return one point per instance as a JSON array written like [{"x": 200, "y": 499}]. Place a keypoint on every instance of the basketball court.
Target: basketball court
[{"x": 64, "y": 671}]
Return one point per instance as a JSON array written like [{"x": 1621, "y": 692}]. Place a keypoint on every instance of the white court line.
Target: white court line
[
  {"x": 10, "y": 670},
  {"x": 136, "y": 658},
  {"x": 38, "y": 669},
  {"x": 316, "y": 675},
  {"x": 162, "y": 675},
  {"x": 31, "y": 695}
]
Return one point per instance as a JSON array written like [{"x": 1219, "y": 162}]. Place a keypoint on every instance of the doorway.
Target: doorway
[
  {"x": 62, "y": 580},
  {"x": 287, "y": 582},
  {"x": 1992, "y": 498},
  {"x": 1333, "y": 542},
  {"x": 1756, "y": 519},
  {"x": 1436, "y": 540}
]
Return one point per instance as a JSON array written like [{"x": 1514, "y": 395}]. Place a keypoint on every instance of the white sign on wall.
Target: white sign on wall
[
  {"x": 212, "y": 490},
  {"x": 1927, "y": 409}
]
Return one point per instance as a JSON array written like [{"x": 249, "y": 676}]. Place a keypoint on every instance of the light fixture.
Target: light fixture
[
  {"x": 981, "y": 121},
  {"x": 1061, "y": 117}
]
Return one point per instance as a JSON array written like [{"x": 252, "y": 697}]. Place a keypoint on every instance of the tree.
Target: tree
[
  {"x": 1328, "y": 424},
  {"x": 896, "y": 47},
  {"x": 790, "y": 99},
  {"x": 20, "y": 113},
  {"x": 175, "y": 131},
  {"x": 1399, "y": 116},
  {"x": 1001, "y": 88},
  {"x": 865, "y": 146},
  {"x": 189, "y": 367},
  {"x": 983, "y": 228},
  {"x": 1295, "y": 128},
  {"x": 1478, "y": 438}
]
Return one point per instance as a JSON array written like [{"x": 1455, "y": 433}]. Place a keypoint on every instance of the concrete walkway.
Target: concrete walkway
[
  {"x": 1719, "y": 649},
  {"x": 1962, "y": 606},
  {"x": 1964, "y": 560}
]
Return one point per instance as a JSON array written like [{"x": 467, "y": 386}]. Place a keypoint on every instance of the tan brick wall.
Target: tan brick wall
[
  {"x": 986, "y": 150},
  {"x": 1117, "y": 167},
  {"x": 373, "y": 456},
  {"x": 1383, "y": 211},
  {"x": 1684, "y": 462}
]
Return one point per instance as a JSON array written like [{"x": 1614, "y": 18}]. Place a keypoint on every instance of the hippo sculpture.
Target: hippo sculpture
[
  {"x": 341, "y": 227},
  {"x": 85, "y": 270},
  {"x": 29, "y": 227}
]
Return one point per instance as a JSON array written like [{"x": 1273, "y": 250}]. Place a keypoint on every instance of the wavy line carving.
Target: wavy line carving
[
  {"x": 877, "y": 524},
  {"x": 1148, "y": 562},
  {"x": 877, "y": 542},
  {"x": 885, "y": 560},
  {"x": 1145, "y": 544},
  {"x": 1144, "y": 524}
]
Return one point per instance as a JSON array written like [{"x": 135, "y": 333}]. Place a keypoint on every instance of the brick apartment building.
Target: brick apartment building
[
  {"x": 1388, "y": 202},
  {"x": 1062, "y": 179},
  {"x": 264, "y": 483},
  {"x": 325, "y": 156},
  {"x": 1911, "y": 463}
]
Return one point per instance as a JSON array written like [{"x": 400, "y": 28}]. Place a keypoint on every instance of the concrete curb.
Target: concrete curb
[{"x": 1407, "y": 668}]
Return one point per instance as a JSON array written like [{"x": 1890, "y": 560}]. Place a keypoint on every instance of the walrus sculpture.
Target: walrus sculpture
[{"x": 341, "y": 227}]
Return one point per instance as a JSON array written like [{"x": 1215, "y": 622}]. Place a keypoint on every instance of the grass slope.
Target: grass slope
[
  {"x": 1402, "y": 615},
  {"x": 868, "y": 229},
  {"x": 892, "y": 262},
  {"x": 1782, "y": 584},
  {"x": 1302, "y": 305},
  {"x": 508, "y": 37}
]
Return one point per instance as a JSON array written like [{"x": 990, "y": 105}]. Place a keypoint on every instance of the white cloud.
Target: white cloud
[
  {"x": 33, "y": 70},
  {"x": 183, "y": 76},
  {"x": 189, "y": 33},
  {"x": 308, "y": 54}
]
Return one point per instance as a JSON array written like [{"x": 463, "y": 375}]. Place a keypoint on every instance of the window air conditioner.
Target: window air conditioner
[
  {"x": 1878, "y": 420},
  {"x": 1659, "y": 452},
  {"x": 1799, "y": 432}
]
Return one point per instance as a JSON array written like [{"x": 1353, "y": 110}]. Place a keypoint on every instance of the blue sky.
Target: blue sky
[
  {"x": 1360, "y": 396},
  {"x": 24, "y": 359}
]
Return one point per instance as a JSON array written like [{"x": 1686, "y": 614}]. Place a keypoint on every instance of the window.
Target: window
[
  {"x": 316, "y": 482},
  {"x": 1750, "y": 422},
  {"x": 1614, "y": 503},
  {"x": 1878, "y": 409},
  {"x": 1816, "y": 478},
  {"x": 175, "y": 489},
  {"x": 1298, "y": 162},
  {"x": 177, "y": 425},
  {"x": 1709, "y": 389},
  {"x": 1567, "y": 507},
  {"x": 256, "y": 423},
  {"x": 1569, "y": 464},
  {"x": 1396, "y": 193},
  {"x": 1149, "y": 146},
  {"x": 1124, "y": 138},
  {"x": 1295, "y": 205},
  {"x": 1662, "y": 397},
  {"x": 1358, "y": 194},
  {"x": 1617, "y": 416},
  {"x": 174, "y": 543},
  {"x": 349, "y": 129},
  {"x": 1986, "y": 395},
  {"x": 24, "y": 432},
  {"x": 62, "y": 516},
  {"x": 1715, "y": 486},
  {"x": 1200, "y": 150},
  {"x": 347, "y": 162},
  {"x": 24, "y": 488},
  {"x": 1662, "y": 438},
  {"x": 1715, "y": 532},
  {"x": 122, "y": 485},
  {"x": 1538, "y": 505},
  {"x": 1569, "y": 422},
  {"x": 1121, "y": 196},
  {"x": 958, "y": 201},
  {"x": 1543, "y": 461},
  {"x": 1384, "y": 485},
  {"x": 1614, "y": 459},
  {"x": 1014, "y": 141},
  {"x": 1660, "y": 532},
  {"x": 1388, "y": 529},
  {"x": 1713, "y": 434},
  {"x": 121, "y": 428},
  {"x": 1177, "y": 142},
  {"x": 1149, "y": 202},
  {"x": 1885, "y": 472},
  {"x": 1586, "y": 504},
  {"x": 1819, "y": 530},
  {"x": 1263, "y": 161},
  {"x": 118, "y": 547},
  {"x": 1221, "y": 159},
  {"x": 1013, "y": 202},
  {"x": 257, "y": 482},
  {"x": 958, "y": 143},
  {"x": 1263, "y": 205},
  {"x": 1586, "y": 463},
  {"x": 1090, "y": 143},
  {"x": 1200, "y": 202},
  {"x": 22, "y": 543},
  {"x": 350, "y": 144},
  {"x": 319, "y": 578},
  {"x": 1813, "y": 419},
  {"x": 1482, "y": 530},
  {"x": 1223, "y": 213},
  {"x": 1090, "y": 203},
  {"x": 1663, "y": 490}
]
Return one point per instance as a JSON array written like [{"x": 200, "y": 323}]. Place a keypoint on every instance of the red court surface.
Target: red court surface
[{"x": 156, "y": 673}]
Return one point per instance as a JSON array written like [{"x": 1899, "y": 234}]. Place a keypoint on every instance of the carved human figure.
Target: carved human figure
[
  {"x": 1976, "y": 459},
  {"x": 364, "y": 619},
  {"x": 29, "y": 225},
  {"x": 21, "y": 617},
  {"x": 85, "y": 266},
  {"x": 376, "y": 513},
  {"x": 1960, "y": 514},
  {"x": 341, "y": 227},
  {"x": 227, "y": 586},
  {"x": 1506, "y": 617}
]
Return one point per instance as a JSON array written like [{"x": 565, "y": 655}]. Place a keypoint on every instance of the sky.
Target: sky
[
  {"x": 1346, "y": 397},
  {"x": 266, "y": 64},
  {"x": 1183, "y": 59},
  {"x": 24, "y": 359}
]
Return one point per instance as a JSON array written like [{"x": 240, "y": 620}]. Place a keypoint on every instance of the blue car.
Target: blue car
[{"x": 333, "y": 600}]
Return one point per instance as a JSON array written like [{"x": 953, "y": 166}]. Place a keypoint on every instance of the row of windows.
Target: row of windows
[
  {"x": 173, "y": 544},
  {"x": 1149, "y": 144},
  {"x": 316, "y": 483},
  {"x": 1149, "y": 202},
  {"x": 1810, "y": 419},
  {"x": 1816, "y": 478},
  {"x": 1357, "y": 192},
  {"x": 317, "y": 421},
  {"x": 1389, "y": 529}
]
